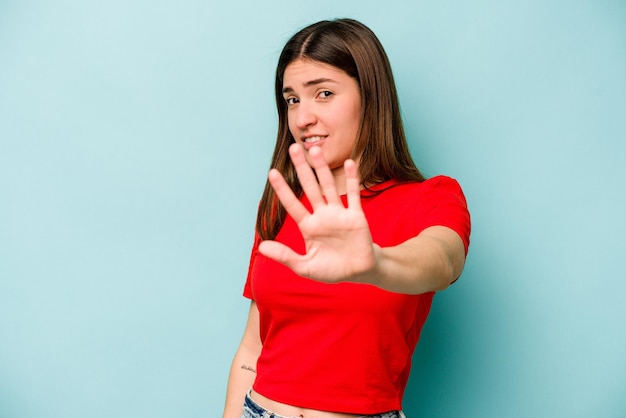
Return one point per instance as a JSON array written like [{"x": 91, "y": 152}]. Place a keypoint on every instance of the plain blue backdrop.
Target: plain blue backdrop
[{"x": 135, "y": 138}]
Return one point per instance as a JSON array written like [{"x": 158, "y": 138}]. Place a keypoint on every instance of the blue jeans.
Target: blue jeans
[{"x": 252, "y": 409}]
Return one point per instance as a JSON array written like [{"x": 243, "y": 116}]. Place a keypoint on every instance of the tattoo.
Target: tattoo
[{"x": 243, "y": 366}]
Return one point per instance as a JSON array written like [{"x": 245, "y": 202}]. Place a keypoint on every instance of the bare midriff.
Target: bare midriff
[{"x": 294, "y": 411}]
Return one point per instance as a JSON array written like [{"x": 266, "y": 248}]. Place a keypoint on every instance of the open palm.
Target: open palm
[{"x": 337, "y": 238}]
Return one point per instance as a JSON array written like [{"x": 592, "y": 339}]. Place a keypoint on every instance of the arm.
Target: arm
[
  {"x": 338, "y": 242},
  {"x": 243, "y": 368},
  {"x": 428, "y": 262}
]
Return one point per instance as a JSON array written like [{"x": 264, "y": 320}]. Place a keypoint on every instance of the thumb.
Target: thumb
[{"x": 279, "y": 252}]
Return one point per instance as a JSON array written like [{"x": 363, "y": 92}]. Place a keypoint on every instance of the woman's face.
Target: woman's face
[{"x": 323, "y": 109}]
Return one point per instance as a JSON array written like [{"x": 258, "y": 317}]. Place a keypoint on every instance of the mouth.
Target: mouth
[{"x": 311, "y": 141}]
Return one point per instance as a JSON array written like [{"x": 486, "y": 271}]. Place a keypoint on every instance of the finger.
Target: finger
[
  {"x": 353, "y": 184},
  {"x": 280, "y": 253},
  {"x": 292, "y": 204},
  {"x": 307, "y": 179},
  {"x": 324, "y": 175}
]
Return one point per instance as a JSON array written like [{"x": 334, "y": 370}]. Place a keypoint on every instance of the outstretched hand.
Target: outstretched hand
[{"x": 337, "y": 239}]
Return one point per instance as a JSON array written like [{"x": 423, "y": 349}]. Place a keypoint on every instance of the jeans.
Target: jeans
[{"x": 252, "y": 409}]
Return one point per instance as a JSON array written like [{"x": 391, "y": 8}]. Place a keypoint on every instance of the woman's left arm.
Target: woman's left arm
[
  {"x": 431, "y": 261},
  {"x": 338, "y": 242}
]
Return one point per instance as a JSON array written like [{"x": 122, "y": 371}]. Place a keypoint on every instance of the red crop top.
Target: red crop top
[{"x": 347, "y": 347}]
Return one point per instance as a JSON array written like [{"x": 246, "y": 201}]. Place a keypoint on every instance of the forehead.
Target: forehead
[{"x": 302, "y": 70}]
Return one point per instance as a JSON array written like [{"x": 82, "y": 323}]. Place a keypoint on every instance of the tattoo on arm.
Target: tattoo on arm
[{"x": 243, "y": 366}]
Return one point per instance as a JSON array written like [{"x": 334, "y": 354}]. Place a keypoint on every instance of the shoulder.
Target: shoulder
[
  {"x": 415, "y": 206},
  {"x": 435, "y": 185},
  {"x": 441, "y": 185},
  {"x": 441, "y": 181},
  {"x": 438, "y": 197}
]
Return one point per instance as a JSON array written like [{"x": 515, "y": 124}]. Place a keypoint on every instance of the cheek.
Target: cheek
[
  {"x": 355, "y": 124},
  {"x": 356, "y": 115},
  {"x": 352, "y": 116},
  {"x": 291, "y": 126}
]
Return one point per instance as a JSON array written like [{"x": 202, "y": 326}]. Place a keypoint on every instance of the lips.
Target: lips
[{"x": 311, "y": 141}]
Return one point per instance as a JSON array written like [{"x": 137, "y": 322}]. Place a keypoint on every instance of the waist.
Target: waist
[{"x": 259, "y": 404}]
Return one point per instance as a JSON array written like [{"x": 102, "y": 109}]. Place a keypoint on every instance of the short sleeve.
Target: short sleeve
[
  {"x": 247, "y": 289},
  {"x": 447, "y": 206}
]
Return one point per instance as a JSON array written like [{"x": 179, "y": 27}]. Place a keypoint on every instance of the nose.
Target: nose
[{"x": 304, "y": 116}]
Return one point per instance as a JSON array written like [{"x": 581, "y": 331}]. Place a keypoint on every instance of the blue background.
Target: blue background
[{"x": 135, "y": 137}]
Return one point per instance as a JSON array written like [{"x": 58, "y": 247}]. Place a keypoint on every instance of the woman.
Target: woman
[{"x": 351, "y": 242}]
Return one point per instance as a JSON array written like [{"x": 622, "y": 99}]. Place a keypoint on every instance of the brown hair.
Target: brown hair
[{"x": 384, "y": 154}]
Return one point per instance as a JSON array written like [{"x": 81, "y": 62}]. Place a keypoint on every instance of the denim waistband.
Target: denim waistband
[{"x": 251, "y": 409}]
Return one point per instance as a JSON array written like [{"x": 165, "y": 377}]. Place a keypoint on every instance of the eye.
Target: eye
[
  {"x": 291, "y": 100},
  {"x": 325, "y": 94}
]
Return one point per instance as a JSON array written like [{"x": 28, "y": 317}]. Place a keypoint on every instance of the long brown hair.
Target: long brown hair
[{"x": 384, "y": 154}]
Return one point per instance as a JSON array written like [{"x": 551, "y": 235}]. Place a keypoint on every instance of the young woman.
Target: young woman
[{"x": 351, "y": 241}]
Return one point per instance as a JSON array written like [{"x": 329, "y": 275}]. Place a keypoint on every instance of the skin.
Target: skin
[
  {"x": 338, "y": 241},
  {"x": 323, "y": 102},
  {"x": 339, "y": 245},
  {"x": 241, "y": 376}
]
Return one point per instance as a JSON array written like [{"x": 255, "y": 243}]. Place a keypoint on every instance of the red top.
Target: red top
[{"x": 347, "y": 347}]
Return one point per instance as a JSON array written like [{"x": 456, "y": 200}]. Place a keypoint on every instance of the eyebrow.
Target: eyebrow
[{"x": 310, "y": 83}]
